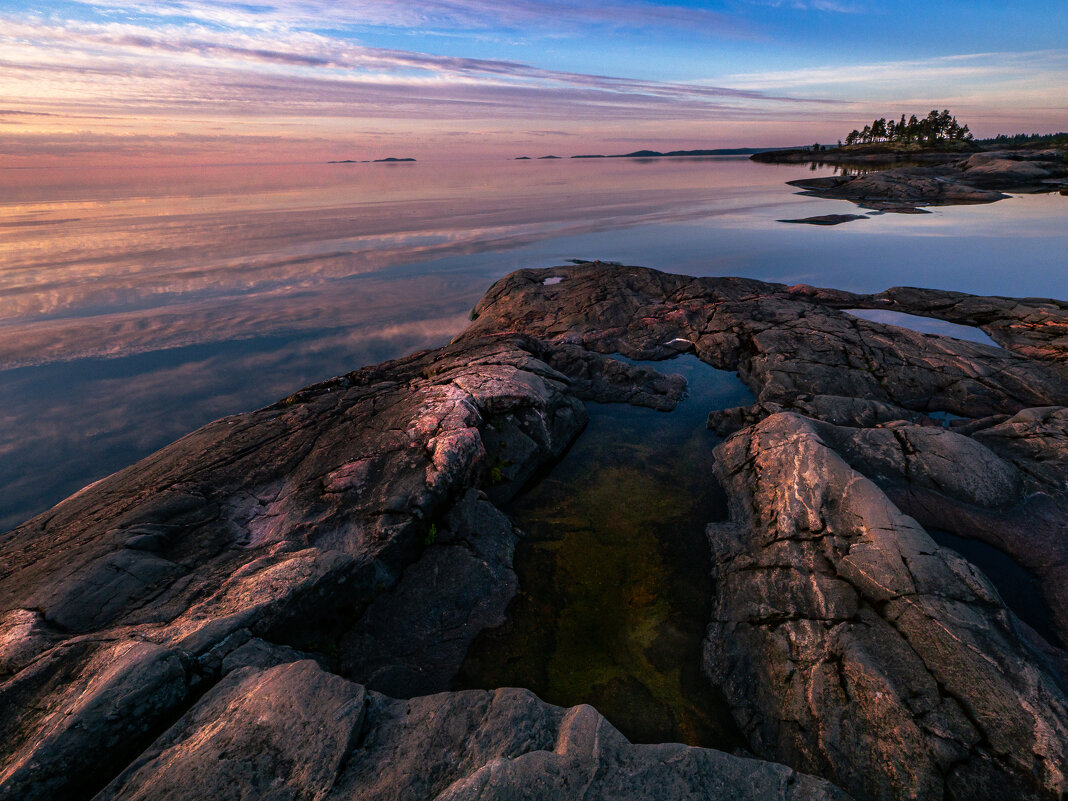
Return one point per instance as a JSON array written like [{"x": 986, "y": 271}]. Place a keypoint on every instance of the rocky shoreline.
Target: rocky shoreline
[
  {"x": 277, "y": 604},
  {"x": 928, "y": 178}
]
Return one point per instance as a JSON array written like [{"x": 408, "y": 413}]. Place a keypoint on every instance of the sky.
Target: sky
[{"x": 188, "y": 81}]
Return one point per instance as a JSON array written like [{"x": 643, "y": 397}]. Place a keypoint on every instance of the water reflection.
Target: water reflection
[
  {"x": 253, "y": 281},
  {"x": 1020, "y": 590},
  {"x": 615, "y": 590},
  {"x": 924, "y": 325}
]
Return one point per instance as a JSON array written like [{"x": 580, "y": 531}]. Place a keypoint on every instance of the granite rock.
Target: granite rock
[{"x": 325, "y": 562}]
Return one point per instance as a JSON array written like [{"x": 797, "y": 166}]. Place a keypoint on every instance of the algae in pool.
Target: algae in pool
[{"x": 614, "y": 571}]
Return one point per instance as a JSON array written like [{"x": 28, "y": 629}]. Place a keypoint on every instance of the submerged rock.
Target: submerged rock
[{"x": 246, "y": 611}]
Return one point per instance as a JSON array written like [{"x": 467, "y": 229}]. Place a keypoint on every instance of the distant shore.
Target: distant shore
[
  {"x": 879, "y": 153},
  {"x": 656, "y": 154},
  {"x": 390, "y": 160}
]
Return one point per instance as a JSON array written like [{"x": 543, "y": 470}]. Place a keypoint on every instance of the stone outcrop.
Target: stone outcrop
[
  {"x": 853, "y": 647},
  {"x": 980, "y": 178},
  {"x": 276, "y": 604},
  {"x": 295, "y": 731}
]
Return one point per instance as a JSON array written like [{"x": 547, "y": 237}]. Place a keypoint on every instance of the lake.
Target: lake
[{"x": 138, "y": 305}]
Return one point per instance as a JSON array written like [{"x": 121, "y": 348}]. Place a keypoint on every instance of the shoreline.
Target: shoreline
[{"x": 905, "y": 182}]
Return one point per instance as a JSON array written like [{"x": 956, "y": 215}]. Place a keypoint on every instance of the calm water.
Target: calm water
[
  {"x": 614, "y": 591},
  {"x": 136, "y": 306},
  {"x": 1018, "y": 588}
]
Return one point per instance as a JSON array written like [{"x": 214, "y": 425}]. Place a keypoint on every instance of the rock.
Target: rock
[
  {"x": 79, "y": 704},
  {"x": 887, "y": 207},
  {"x": 874, "y": 155},
  {"x": 787, "y": 343},
  {"x": 1033, "y": 327},
  {"x": 855, "y": 648},
  {"x": 949, "y": 181},
  {"x": 294, "y": 731},
  {"x": 278, "y": 733},
  {"x": 902, "y": 186},
  {"x": 274, "y": 568},
  {"x": 1008, "y": 170},
  {"x": 412, "y": 640},
  {"x": 828, "y": 219},
  {"x": 24, "y": 634}
]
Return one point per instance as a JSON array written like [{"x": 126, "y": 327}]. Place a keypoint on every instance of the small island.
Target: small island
[
  {"x": 389, "y": 160},
  {"x": 935, "y": 161}
]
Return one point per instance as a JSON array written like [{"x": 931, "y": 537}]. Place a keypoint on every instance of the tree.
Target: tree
[{"x": 937, "y": 126}]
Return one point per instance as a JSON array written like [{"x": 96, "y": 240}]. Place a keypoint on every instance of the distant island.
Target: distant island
[
  {"x": 390, "y": 160},
  {"x": 656, "y": 154}
]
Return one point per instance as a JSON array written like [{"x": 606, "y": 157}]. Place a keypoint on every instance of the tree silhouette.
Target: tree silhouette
[{"x": 937, "y": 126}]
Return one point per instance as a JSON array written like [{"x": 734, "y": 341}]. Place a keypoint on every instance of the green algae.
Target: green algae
[{"x": 614, "y": 572}]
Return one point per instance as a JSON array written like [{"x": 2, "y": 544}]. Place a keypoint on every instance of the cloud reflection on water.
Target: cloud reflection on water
[{"x": 136, "y": 307}]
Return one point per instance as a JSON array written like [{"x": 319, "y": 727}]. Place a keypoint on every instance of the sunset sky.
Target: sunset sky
[{"x": 182, "y": 81}]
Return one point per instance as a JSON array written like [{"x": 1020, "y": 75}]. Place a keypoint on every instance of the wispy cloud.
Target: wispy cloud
[
  {"x": 969, "y": 66},
  {"x": 813, "y": 5},
  {"x": 429, "y": 15},
  {"x": 92, "y": 72},
  {"x": 109, "y": 48},
  {"x": 134, "y": 76},
  {"x": 1005, "y": 90}
]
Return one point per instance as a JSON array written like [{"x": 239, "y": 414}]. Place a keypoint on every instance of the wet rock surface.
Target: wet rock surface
[{"x": 277, "y": 604}]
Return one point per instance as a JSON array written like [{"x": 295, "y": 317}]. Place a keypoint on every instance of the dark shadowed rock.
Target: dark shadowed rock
[{"x": 828, "y": 219}]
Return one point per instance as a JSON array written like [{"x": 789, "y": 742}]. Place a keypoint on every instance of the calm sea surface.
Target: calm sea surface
[{"x": 138, "y": 305}]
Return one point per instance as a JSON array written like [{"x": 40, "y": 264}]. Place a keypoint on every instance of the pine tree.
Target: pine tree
[{"x": 937, "y": 126}]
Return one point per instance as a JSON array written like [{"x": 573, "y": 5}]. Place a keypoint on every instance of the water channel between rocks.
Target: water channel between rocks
[
  {"x": 614, "y": 571},
  {"x": 1018, "y": 588}
]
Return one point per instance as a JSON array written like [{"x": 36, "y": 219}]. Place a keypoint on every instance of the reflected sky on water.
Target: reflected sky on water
[{"x": 138, "y": 305}]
